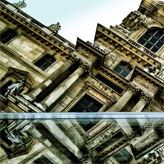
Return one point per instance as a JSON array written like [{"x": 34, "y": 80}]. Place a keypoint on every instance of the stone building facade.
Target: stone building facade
[{"x": 42, "y": 72}]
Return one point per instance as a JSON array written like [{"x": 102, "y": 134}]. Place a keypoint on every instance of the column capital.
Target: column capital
[
  {"x": 146, "y": 98},
  {"x": 132, "y": 89}
]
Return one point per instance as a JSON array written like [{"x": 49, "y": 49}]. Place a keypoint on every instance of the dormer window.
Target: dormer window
[
  {"x": 123, "y": 69},
  {"x": 153, "y": 39}
]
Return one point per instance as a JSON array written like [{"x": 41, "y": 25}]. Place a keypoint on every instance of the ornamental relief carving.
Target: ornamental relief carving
[
  {"x": 104, "y": 136},
  {"x": 86, "y": 53},
  {"x": 144, "y": 140},
  {"x": 147, "y": 85},
  {"x": 101, "y": 86},
  {"x": 134, "y": 21},
  {"x": 110, "y": 59}
]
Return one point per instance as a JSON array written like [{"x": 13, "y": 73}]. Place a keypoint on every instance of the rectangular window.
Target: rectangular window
[
  {"x": 45, "y": 62},
  {"x": 87, "y": 104},
  {"x": 123, "y": 156},
  {"x": 109, "y": 83},
  {"x": 7, "y": 35},
  {"x": 110, "y": 141},
  {"x": 42, "y": 160},
  {"x": 88, "y": 123}
]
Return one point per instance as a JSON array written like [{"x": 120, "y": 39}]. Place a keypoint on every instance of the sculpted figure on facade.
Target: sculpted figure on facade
[
  {"x": 20, "y": 4},
  {"x": 161, "y": 72},
  {"x": 55, "y": 27},
  {"x": 110, "y": 59},
  {"x": 15, "y": 137},
  {"x": 134, "y": 21},
  {"x": 16, "y": 87}
]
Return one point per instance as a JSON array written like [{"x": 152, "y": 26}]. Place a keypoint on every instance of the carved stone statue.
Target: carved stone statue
[
  {"x": 55, "y": 27},
  {"x": 161, "y": 72},
  {"x": 15, "y": 137},
  {"x": 134, "y": 21},
  {"x": 16, "y": 87},
  {"x": 110, "y": 59},
  {"x": 20, "y": 4}
]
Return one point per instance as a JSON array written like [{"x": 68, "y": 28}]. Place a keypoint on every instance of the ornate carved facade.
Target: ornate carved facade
[{"x": 42, "y": 72}]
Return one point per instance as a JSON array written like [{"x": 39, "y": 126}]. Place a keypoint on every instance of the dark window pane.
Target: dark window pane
[
  {"x": 118, "y": 69},
  {"x": 7, "y": 35},
  {"x": 123, "y": 156},
  {"x": 154, "y": 49},
  {"x": 159, "y": 44},
  {"x": 42, "y": 160},
  {"x": 87, "y": 104},
  {"x": 162, "y": 39},
  {"x": 152, "y": 36},
  {"x": 124, "y": 74},
  {"x": 158, "y": 35},
  {"x": 142, "y": 41},
  {"x": 78, "y": 108},
  {"x": 109, "y": 83},
  {"x": 148, "y": 45},
  {"x": 146, "y": 36},
  {"x": 88, "y": 123},
  {"x": 151, "y": 32},
  {"x": 85, "y": 101},
  {"x": 153, "y": 40},
  {"x": 125, "y": 70},
  {"x": 45, "y": 62},
  {"x": 95, "y": 107}
]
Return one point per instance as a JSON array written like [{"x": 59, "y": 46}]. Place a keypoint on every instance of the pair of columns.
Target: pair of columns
[
  {"x": 60, "y": 136},
  {"x": 143, "y": 101},
  {"x": 48, "y": 81},
  {"x": 62, "y": 88}
]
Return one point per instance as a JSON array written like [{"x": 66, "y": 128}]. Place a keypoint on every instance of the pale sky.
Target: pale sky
[{"x": 79, "y": 18}]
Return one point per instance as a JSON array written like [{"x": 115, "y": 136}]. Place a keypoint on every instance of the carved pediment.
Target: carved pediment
[
  {"x": 148, "y": 83},
  {"x": 19, "y": 74}
]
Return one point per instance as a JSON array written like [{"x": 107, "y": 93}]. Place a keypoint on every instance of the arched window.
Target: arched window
[
  {"x": 123, "y": 69},
  {"x": 153, "y": 39}
]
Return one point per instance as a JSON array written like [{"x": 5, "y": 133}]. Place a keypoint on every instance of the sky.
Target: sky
[{"x": 79, "y": 18}]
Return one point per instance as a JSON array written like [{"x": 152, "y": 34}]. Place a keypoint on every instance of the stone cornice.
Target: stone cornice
[
  {"x": 113, "y": 75},
  {"x": 126, "y": 47},
  {"x": 155, "y": 80},
  {"x": 36, "y": 30},
  {"x": 94, "y": 51}
]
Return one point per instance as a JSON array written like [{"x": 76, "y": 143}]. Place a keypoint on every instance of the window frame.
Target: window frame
[
  {"x": 76, "y": 103},
  {"x": 127, "y": 66},
  {"x": 41, "y": 159},
  {"x": 112, "y": 86},
  {"x": 39, "y": 65},
  {"x": 9, "y": 38},
  {"x": 148, "y": 41},
  {"x": 89, "y": 105}
]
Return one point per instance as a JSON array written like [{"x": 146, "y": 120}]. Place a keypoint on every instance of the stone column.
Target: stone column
[
  {"x": 48, "y": 81},
  {"x": 61, "y": 136},
  {"x": 125, "y": 126},
  {"x": 50, "y": 146},
  {"x": 141, "y": 104},
  {"x": 64, "y": 86},
  {"x": 123, "y": 100}
]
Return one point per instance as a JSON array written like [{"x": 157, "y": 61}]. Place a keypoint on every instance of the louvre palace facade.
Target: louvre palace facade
[{"x": 122, "y": 71}]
